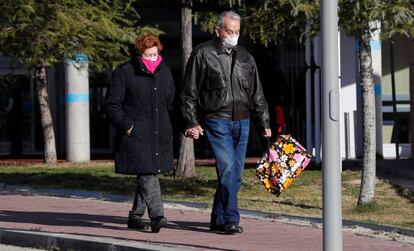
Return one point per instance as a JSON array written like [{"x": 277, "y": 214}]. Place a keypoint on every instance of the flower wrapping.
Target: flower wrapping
[{"x": 284, "y": 161}]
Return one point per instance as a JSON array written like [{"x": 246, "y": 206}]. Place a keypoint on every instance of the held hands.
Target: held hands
[
  {"x": 194, "y": 132},
  {"x": 267, "y": 133}
]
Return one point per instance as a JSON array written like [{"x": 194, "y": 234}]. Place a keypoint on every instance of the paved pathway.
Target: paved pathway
[{"x": 187, "y": 229}]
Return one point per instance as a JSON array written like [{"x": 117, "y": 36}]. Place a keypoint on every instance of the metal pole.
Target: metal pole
[
  {"x": 394, "y": 102},
  {"x": 339, "y": 88},
  {"x": 358, "y": 125},
  {"x": 32, "y": 116},
  {"x": 347, "y": 136},
  {"x": 309, "y": 145},
  {"x": 332, "y": 206},
  {"x": 317, "y": 99}
]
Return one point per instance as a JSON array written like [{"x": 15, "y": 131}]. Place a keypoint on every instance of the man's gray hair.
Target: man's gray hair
[{"x": 231, "y": 14}]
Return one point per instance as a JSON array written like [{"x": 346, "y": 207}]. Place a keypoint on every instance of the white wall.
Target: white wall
[
  {"x": 348, "y": 91},
  {"x": 351, "y": 97}
]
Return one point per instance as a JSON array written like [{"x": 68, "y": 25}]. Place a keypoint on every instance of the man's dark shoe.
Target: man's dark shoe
[
  {"x": 232, "y": 228},
  {"x": 217, "y": 228},
  {"x": 137, "y": 223},
  {"x": 157, "y": 223}
]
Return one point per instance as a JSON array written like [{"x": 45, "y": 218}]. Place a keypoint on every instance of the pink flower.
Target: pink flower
[
  {"x": 298, "y": 157},
  {"x": 301, "y": 159},
  {"x": 272, "y": 155},
  {"x": 305, "y": 162}
]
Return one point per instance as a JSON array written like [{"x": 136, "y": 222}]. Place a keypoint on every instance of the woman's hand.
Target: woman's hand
[{"x": 194, "y": 132}]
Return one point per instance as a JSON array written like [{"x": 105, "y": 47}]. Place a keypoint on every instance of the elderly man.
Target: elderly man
[{"x": 221, "y": 90}]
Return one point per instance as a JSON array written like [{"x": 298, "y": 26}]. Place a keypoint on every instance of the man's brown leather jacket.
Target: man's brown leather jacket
[{"x": 222, "y": 85}]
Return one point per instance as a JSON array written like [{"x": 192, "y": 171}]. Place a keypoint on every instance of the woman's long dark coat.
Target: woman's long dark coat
[{"x": 139, "y": 98}]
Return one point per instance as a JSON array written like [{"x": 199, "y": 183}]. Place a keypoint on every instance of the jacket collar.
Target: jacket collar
[
  {"x": 220, "y": 47},
  {"x": 138, "y": 65}
]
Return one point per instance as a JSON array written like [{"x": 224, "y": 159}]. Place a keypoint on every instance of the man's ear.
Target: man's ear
[{"x": 217, "y": 31}]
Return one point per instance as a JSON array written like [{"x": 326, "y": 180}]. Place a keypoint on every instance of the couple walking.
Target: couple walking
[{"x": 221, "y": 90}]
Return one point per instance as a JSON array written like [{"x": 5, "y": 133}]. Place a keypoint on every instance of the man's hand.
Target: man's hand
[
  {"x": 267, "y": 133},
  {"x": 128, "y": 132},
  {"x": 194, "y": 132}
]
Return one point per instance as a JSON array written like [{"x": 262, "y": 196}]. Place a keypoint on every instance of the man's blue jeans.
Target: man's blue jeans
[{"x": 228, "y": 141}]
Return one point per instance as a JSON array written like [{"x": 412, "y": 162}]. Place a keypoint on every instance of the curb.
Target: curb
[{"x": 54, "y": 241}]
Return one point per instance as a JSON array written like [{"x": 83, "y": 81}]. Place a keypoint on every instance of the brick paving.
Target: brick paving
[{"x": 187, "y": 228}]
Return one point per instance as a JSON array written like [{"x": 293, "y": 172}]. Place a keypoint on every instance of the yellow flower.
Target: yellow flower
[
  {"x": 287, "y": 183},
  {"x": 266, "y": 182},
  {"x": 292, "y": 163},
  {"x": 288, "y": 148}
]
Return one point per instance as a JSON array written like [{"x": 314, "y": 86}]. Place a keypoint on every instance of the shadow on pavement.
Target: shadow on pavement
[
  {"x": 190, "y": 226},
  {"x": 63, "y": 219},
  {"x": 100, "y": 221}
]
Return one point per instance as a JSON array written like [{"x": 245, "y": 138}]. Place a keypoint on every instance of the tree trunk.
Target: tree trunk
[
  {"x": 367, "y": 191},
  {"x": 46, "y": 118},
  {"x": 186, "y": 33},
  {"x": 186, "y": 165}
]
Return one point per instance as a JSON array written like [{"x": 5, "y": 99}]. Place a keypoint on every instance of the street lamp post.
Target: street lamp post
[{"x": 331, "y": 163}]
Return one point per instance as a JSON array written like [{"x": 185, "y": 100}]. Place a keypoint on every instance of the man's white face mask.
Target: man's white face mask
[{"x": 230, "y": 42}]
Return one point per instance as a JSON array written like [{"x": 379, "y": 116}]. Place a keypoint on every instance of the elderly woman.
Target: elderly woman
[{"x": 137, "y": 105}]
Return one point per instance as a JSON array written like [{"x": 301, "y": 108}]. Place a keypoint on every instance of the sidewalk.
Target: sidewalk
[
  {"x": 90, "y": 224},
  {"x": 399, "y": 172},
  {"x": 99, "y": 223}
]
